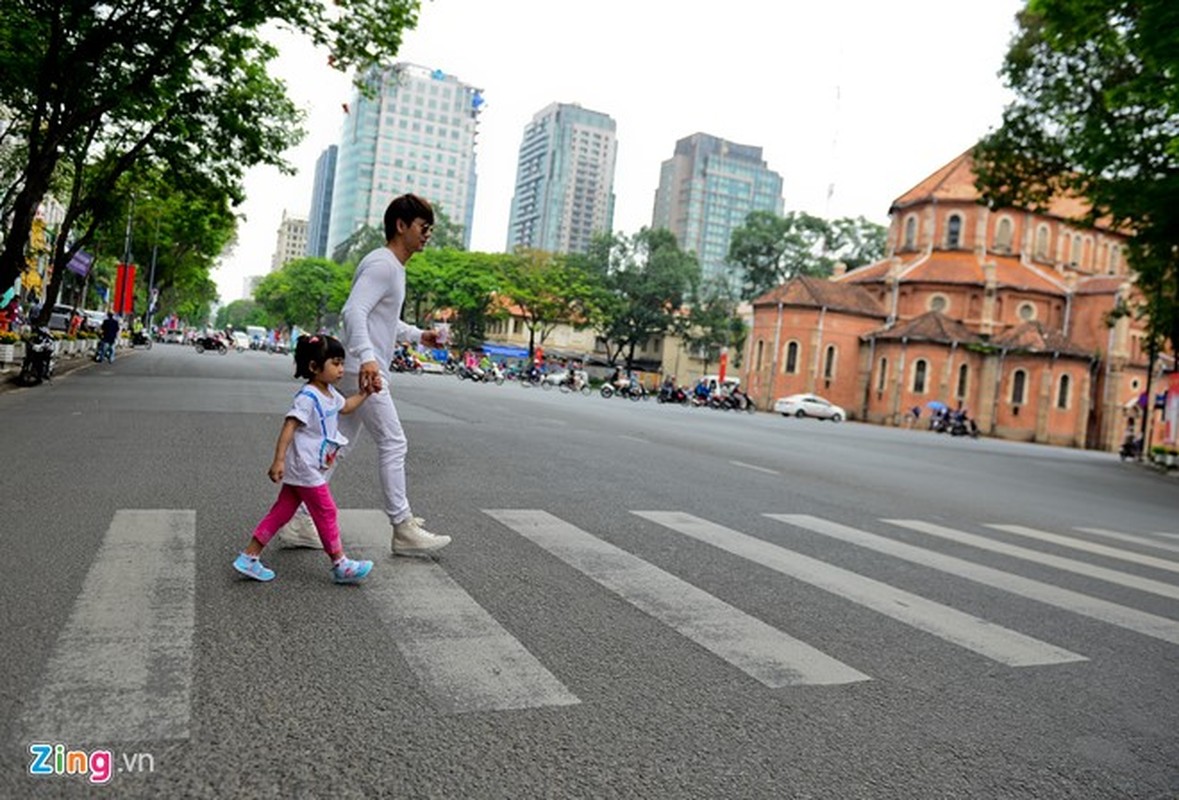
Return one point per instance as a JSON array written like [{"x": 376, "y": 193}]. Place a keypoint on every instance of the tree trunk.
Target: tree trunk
[{"x": 24, "y": 211}]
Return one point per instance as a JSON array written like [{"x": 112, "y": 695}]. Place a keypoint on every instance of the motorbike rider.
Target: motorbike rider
[
  {"x": 620, "y": 379},
  {"x": 667, "y": 390}
]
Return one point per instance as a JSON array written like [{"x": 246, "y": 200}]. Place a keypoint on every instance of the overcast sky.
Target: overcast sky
[{"x": 869, "y": 96}]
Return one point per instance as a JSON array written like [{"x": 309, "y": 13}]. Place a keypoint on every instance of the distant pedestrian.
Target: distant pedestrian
[
  {"x": 110, "y": 335},
  {"x": 306, "y": 450}
]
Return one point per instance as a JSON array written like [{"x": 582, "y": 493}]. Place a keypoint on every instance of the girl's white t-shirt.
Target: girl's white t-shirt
[{"x": 301, "y": 464}]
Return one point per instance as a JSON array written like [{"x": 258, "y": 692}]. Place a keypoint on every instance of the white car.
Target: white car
[{"x": 809, "y": 405}]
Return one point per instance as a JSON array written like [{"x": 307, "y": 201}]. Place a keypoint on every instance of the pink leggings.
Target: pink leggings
[{"x": 320, "y": 506}]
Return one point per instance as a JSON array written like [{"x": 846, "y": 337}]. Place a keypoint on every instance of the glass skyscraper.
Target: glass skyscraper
[
  {"x": 564, "y": 180},
  {"x": 415, "y": 134},
  {"x": 320, "y": 215},
  {"x": 706, "y": 190}
]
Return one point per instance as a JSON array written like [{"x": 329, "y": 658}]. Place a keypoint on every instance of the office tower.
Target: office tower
[
  {"x": 321, "y": 203},
  {"x": 292, "y": 241},
  {"x": 415, "y": 133},
  {"x": 564, "y": 180},
  {"x": 706, "y": 190}
]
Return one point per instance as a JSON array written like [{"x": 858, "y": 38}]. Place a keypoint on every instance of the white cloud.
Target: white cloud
[{"x": 917, "y": 85}]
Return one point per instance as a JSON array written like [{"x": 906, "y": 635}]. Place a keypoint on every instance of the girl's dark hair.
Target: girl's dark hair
[{"x": 318, "y": 349}]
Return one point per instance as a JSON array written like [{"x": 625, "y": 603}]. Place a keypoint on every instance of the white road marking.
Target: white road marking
[
  {"x": 756, "y": 648},
  {"x": 633, "y": 438},
  {"x": 1047, "y": 559},
  {"x": 1089, "y": 547},
  {"x": 1132, "y": 619},
  {"x": 987, "y": 639},
  {"x": 1129, "y": 537},
  {"x": 755, "y": 468},
  {"x": 463, "y": 659},
  {"x": 122, "y": 667}
]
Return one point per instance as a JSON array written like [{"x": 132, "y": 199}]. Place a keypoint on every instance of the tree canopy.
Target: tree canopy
[
  {"x": 770, "y": 250},
  {"x": 304, "y": 292},
  {"x": 90, "y": 91},
  {"x": 1096, "y": 115},
  {"x": 549, "y": 289},
  {"x": 646, "y": 279}
]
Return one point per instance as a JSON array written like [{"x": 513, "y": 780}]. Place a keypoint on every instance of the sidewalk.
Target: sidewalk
[{"x": 9, "y": 373}]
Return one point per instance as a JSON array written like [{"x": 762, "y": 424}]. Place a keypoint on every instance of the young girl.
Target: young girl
[{"x": 306, "y": 449}]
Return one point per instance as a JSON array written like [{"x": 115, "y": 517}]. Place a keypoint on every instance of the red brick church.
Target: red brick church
[{"x": 1010, "y": 314}]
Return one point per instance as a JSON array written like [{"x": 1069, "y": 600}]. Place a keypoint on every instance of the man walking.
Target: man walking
[
  {"x": 372, "y": 329},
  {"x": 110, "y": 335}
]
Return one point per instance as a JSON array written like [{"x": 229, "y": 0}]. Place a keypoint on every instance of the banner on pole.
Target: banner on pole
[
  {"x": 124, "y": 289},
  {"x": 79, "y": 263}
]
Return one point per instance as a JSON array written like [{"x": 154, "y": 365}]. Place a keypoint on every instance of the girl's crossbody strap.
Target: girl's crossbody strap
[{"x": 318, "y": 408}]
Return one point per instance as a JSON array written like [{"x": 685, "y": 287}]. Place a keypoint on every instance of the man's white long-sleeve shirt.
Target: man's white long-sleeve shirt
[{"x": 372, "y": 313}]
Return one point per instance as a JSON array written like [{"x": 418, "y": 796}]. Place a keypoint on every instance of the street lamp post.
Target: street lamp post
[{"x": 151, "y": 280}]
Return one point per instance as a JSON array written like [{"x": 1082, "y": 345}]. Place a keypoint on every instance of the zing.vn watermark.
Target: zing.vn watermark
[{"x": 97, "y": 765}]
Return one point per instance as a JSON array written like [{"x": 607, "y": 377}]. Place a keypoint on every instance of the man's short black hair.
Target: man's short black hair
[{"x": 406, "y": 208}]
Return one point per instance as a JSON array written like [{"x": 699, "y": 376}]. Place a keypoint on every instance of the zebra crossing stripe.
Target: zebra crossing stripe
[
  {"x": 1090, "y": 547},
  {"x": 1129, "y": 537},
  {"x": 987, "y": 639},
  {"x": 1047, "y": 559},
  {"x": 1129, "y": 618},
  {"x": 463, "y": 659},
  {"x": 759, "y": 650},
  {"x": 122, "y": 666}
]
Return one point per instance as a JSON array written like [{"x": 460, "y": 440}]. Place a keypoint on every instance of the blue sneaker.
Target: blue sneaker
[
  {"x": 348, "y": 571},
  {"x": 252, "y": 567}
]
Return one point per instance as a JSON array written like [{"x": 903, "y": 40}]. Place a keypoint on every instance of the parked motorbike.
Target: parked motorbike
[
  {"x": 673, "y": 394},
  {"x": 960, "y": 426},
  {"x": 203, "y": 343},
  {"x": 492, "y": 374},
  {"x": 635, "y": 392},
  {"x": 1131, "y": 448},
  {"x": 40, "y": 357},
  {"x": 140, "y": 339},
  {"x": 577, "y": 382},
  {"x": 406, "y": 363}
]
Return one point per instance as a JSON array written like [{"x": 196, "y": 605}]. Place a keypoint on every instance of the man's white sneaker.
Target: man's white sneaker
[
  {"x": 299, "y": 532},
  {"x": 411, "y": 539}
]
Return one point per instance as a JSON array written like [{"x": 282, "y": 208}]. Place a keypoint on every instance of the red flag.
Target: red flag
[
  {"x": 724, "y": 365},
  {"x": 120, "y": 277},
  {"x": 124, "y": 289}
]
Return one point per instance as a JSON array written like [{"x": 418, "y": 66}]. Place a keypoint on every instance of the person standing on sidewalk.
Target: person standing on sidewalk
[
  {"x": 372, "y": 329},
  {"x": 110, "y": 335}
]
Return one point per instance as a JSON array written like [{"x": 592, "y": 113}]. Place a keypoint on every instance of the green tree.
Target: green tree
[
  {"x": 241, "y": 313},
  {"x": 713, "y": 324},
  {"x": 646, "y": 279},
  {"x": 304, "y": 292},
  {"x": 447, "y": 233},
  {"x": 550, "y": 289},
  {"x": 182, "y": 227},
  {"x": 359, "y": 244},
  {"x": 462, "y": 282},
  {"x": 90, "y": 91},
  {"x": 856, "y": 242},
  {"x": 770, "y": 250},
  {"x": 1097, "y": 99}
]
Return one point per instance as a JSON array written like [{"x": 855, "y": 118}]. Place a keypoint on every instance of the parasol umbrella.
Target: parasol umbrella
[{"x": 936, "y": 405}]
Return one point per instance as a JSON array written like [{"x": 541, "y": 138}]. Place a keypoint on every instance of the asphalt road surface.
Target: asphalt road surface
[{"x": 640, "y": 601}]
